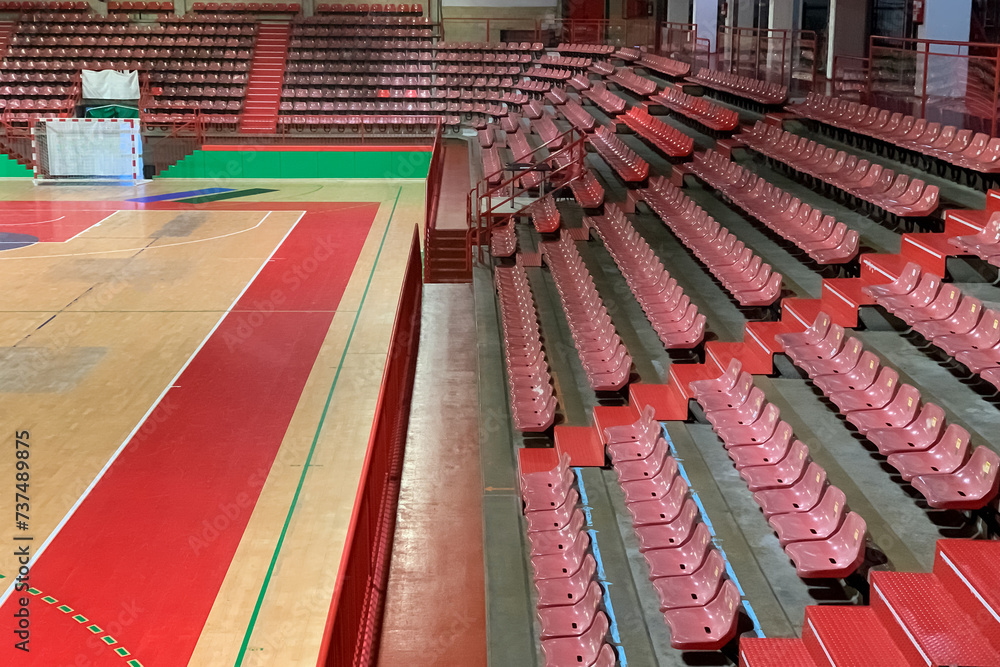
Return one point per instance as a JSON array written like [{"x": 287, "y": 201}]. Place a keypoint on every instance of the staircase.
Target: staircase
[
  {"x": 267, "y": 72},
  {"x": 447, "y": 259}
]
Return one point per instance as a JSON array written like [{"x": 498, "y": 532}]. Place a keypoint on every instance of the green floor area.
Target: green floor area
[{"x": 229, "y": 164}]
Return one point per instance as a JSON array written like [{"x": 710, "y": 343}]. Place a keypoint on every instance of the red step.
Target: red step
[
  {"x": 756, "y": 360},
  {"x": 267, "y": 70},
  {"x": 879, "y": 269},
  {"x": 931, "y": 251},
  {"x": 774, "y": 651},
  {"x": 606, "y": 416},
  {"x": 929, "y": 625},
  {"x": 536, "y": 459},
  {"x": 761, "y": 336},
  {"x": 970, "y": 570},
  {"x": 799, "y": 314},
  {"x": 849, "y": 637},
  {"x": 582, "y": 445},
  {"x": 962, "y": 222},
  {"x": 667, "y": 400},
  {"x": 841, "y": 298}
]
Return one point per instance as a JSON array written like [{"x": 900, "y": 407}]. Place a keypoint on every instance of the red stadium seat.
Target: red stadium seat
[
  {"x": 818, "y": 523},
  {"x": 834, "y": 557},
  {"x": 682, "y": 560},
  {"x": 800, "y": 497},
  {"x": 969, "y": 487},
  {"x": 945, "y": 456},
  {"x": 695, "y": 589},
  {"x": 571, "y": 620},
  {"x": 672, "y": 534},
  {"x": 582, "y": 650},
  {"x": 705, "y": 628},
  {"x": 766, "y": 453},
  {"x": 782, "y": 474}
]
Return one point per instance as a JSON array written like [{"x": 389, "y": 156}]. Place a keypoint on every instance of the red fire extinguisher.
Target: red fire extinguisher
[{"x": 918, "y": 12}]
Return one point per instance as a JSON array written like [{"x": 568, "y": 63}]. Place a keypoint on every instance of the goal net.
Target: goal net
[{"x": 87, "y": 148}]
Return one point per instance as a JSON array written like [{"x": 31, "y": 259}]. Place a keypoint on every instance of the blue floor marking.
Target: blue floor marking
[
  {"x": 605, "y": 584},
  {"x": 178, "y": 195},
  {"x": 711, "y": 530}
]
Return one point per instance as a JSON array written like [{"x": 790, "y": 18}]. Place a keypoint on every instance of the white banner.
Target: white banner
[{"x": 107, "y": 84}]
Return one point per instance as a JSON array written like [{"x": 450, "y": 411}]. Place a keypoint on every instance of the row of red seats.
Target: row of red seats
[
  {"x": 362, "y": 93},
  {"x": 370, "y": 123},
  {"x": 664, "y": 65},
  {"x": 550, "y": 134},
  {"x": 567, "y": 62},
  {"x": 573, "y": 628},
  {"x": 548, "y": 73},
  {"x": 212, "y": 103},
  {"x": 577, "y": 115},
  {"x": 367, "y": 67},
  {"x": 503, "y": 239},
  {"x": 580, "y": 81},
  {"x": 324, "y": 8},
  {"x": 126, "y": 29},
  {"x": 197, "y": 77},
  {"x": 125, "y": 53},
  {"x": 626, "y": 78},
  {"x": 976, "y": 151},
  {"x": 130, "y": 42},
  {"x": 532, "y": 399},
  {"x": 388, "y": 108},
  {"x": 492, "y": 165},
  {"x": 556, "y": 96},
  {"x": 626, "y": 162},
  {"x": 602, "y": 67},
  {"x": 511, "y": 123},
  {"x": 759, "y": 91},
  {"x": 699, "y": 603},
  {"x": 589, "y": 49},
  {"x": 954, "y": 322},
  {"x": 248, "y": 7},
  {"x": 741, "y": 272},
  {"x": 586, "y": 189},
  {"x": 824, "y": 239},
  {"x": 348, "y": 81},
  {"x": 810, "y": 517},
  {"x": 517, "y": 141},
  {"x": 534, "y": 86},
  {"x": 667, "y": 138},
  {"x": 605, "y": 360},
  {"x": 985, "y": 244},
  {"x": 360, "y": 43},
  {"x": 35, "y": 91},
  {"x": 336, "y": 52},
  {"x": 629, "y": 53},
  {"x": 896, "y": 193},
  {"x": 115, "y": 6},
  {"x": 367, "y": 20},
  {"x": 371, "y": 32},
  {"x": 35, "y": 77},
  {"x": 929, "y": 454},
  {"x": 163, "y": 65},
  {"x": 944, "y": 617},
  {"x": 609, "y": 103},
  {"x": 670, "y": 312},
  {"x": 200, "y": 91},
  {"x": 544, "y": 214},
  {"x": 698, "y": 109},
  {"x": 27, "y": 6}
]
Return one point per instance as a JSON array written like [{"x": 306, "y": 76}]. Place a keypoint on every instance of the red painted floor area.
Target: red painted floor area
[
  {"x": 156, "y": 535},
  {"x": 51, "y": 222}
]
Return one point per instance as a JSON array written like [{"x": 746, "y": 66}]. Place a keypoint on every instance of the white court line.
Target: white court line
[
  {"x": 152, "y": 247},
  {"x": 128, "y": 438},
  {"x": 25, "y": 224}
]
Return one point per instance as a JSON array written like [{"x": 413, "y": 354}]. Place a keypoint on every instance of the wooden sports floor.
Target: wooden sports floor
[{"x": 186, "y": 394}]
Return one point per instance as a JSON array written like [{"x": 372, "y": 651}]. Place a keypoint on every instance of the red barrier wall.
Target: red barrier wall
[{"x": 353, "y": 624}]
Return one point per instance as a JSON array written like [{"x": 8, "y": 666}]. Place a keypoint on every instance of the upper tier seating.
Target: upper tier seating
[
  {"x": 698, "y": 109},
  {"x": 756, "y": 90},
  {"x": 963, "y": 148},
  {"x": 870, "y": 182}
]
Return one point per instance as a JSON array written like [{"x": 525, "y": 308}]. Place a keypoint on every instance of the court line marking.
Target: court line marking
[
  {"x": 312, "y": 448},
  {"x": 72, "y": 510},
  {"x": 25, "y": 224},
  {"x": 141, "y": 248}
]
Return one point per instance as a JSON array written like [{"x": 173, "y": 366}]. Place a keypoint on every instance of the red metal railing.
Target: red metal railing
[
  {"x": 354, "y": 622},
  {"x": 485, "y": 201}
]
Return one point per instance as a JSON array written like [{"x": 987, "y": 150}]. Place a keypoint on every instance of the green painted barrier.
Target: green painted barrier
[
  {"x": 301, "y": 164},
  {"x": 9, "y": 168}
]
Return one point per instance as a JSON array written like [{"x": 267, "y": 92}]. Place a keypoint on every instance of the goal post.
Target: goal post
[{"x": 103, "y": 149}]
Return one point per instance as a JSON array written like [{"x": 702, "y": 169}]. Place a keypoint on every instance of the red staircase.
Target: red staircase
[
  {"x": 267, "y": 71},
  {"x": 950, "y": 616}
]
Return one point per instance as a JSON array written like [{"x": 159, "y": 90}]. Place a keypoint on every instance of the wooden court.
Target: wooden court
[{"x": 198, "y": 381}]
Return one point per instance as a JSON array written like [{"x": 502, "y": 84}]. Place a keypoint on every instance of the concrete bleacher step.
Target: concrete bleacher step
[
  {"x": 773, "y": 651},
  {"x": 970, "y": 571},
  {"x": 849, "y": 637},
  {"x": 928, "y": 624},
  {"x": 931, "y": 251}
]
